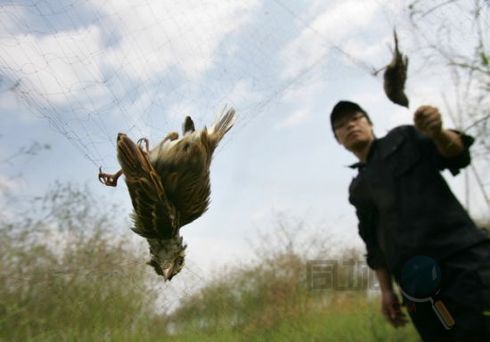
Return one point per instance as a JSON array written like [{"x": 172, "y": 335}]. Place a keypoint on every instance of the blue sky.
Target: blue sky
[{"x": 75, "y": 73}]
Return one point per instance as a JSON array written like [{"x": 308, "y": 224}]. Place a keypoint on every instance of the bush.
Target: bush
[
  {"x": 66, "y": 275},
  {"x": 271, "y": 300}
]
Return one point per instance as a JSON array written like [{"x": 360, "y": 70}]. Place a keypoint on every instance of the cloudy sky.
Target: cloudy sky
[{"x": 74, "y": 73}]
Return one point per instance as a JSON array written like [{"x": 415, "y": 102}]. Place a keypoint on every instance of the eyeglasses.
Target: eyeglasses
[{"x": 344, "y": 122}]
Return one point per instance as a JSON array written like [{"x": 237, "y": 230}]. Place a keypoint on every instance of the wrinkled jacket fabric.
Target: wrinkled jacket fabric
[{"x": 404, "y": 205}]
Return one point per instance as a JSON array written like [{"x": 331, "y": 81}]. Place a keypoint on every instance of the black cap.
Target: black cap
[{"x": 345, "y": 108}]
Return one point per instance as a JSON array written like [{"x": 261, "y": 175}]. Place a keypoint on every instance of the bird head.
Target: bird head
[{"x": 167, "y": 256}]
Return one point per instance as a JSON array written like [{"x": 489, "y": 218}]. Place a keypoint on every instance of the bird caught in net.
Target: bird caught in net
[
  {"x": 395, "y": 76},
  {"x": 169, "y": 186}
]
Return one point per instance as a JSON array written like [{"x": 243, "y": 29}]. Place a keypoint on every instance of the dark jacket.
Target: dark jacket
[{"x": 404, "y": 205}]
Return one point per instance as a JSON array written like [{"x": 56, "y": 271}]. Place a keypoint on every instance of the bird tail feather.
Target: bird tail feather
[{"x": 223, "y": 124}]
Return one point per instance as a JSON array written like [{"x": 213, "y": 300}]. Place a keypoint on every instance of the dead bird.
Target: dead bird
[
  {"x": 395, "y": 76},
  {"x": 169, "y": 186}
]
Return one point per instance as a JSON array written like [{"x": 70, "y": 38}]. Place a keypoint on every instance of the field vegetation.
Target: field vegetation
[{"x": 66, "y": 274}]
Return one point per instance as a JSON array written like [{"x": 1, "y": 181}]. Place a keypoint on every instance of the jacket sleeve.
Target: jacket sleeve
[
  {"x": 366, "y": 215},
  {"x": 453, "y": 164}
]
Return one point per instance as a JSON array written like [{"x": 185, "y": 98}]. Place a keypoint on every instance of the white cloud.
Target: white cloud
[
  {"x": 302, "y": 95},
  {"x": 54, "y": 69},
  {"x": 158, "y": 35},
  {"x": 333, "y": 26},
  {"x": 377, "y": 55},
  {"x": 295, "y": 119},
  {"x": 343, "y": 17},
  {"x": 179, "y": 110},
  {"x": 243, "y": 93},
  {"x": 66, "y": 67},
  {"x": 304, "y": 91},
  {"x": 8, "y": 184},
  {"x": 8, "y": 14}
]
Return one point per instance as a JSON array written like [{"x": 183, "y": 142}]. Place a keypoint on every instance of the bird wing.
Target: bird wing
[
  {"x": 194, "y": 188},
  {"x": 154, "y": 216},
  {"x": 193, "y": 198}
]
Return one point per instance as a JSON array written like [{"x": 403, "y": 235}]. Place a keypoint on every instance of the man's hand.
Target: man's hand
[
  {"x": 428, "y": 120},
  {"x": 390, "y": 305},
  {"x": 391, "y": 309}
]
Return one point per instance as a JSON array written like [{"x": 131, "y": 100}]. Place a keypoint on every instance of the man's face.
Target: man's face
[{"x": 353, "y": 131}]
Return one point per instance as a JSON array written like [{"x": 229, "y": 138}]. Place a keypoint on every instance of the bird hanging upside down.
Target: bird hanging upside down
[
  {"x": 169, "y": 186},
  {"x": 395, "y": 76}
]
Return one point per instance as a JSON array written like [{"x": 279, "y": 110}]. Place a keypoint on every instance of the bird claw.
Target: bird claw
[
  {"x": 171, "y": 137},
  {"x": 108, "y": 179},
  {"x": 144, "y": 141}
]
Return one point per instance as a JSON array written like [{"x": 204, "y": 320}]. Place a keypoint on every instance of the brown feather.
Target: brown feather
[
  {"x": 154, "y": 216},
  {"x": 395, "y": 77},
  {"x": 170, "y": 187},
  {"x": 183, "y": 166}
]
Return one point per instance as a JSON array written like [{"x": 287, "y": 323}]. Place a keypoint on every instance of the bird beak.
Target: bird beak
[{"x": 167, "y": 273}]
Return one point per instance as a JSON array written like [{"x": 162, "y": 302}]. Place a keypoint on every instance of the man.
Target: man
[{"x": 406, "y": 210}]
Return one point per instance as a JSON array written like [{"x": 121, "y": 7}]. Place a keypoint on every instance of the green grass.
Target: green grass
[
  {"x": 348, "y": 317},
  {"x": 363, "y": 323}
]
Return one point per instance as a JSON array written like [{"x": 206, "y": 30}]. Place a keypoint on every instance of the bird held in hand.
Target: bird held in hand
[
  {"x": 395, "y": 76},
  {"x": 169, "y": 186}
]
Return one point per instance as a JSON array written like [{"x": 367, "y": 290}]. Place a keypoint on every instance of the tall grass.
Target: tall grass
[
  {"x": 272, "y": 302},
  {"x": 66, "y": 275}
]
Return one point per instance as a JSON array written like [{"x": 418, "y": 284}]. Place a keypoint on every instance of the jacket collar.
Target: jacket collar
[
  {"x": 360, "y": 164},
  {"x": 384, "y": 146}
]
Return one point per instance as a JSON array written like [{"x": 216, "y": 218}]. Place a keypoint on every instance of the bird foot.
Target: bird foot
[
  {"x": 144, "y": 142},
  {"x": 171, "y": 136},
  {"x": 108, "y": 179}
]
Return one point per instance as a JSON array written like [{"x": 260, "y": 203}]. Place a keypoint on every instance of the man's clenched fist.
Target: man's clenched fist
[{"x": 427, "y": 120}]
